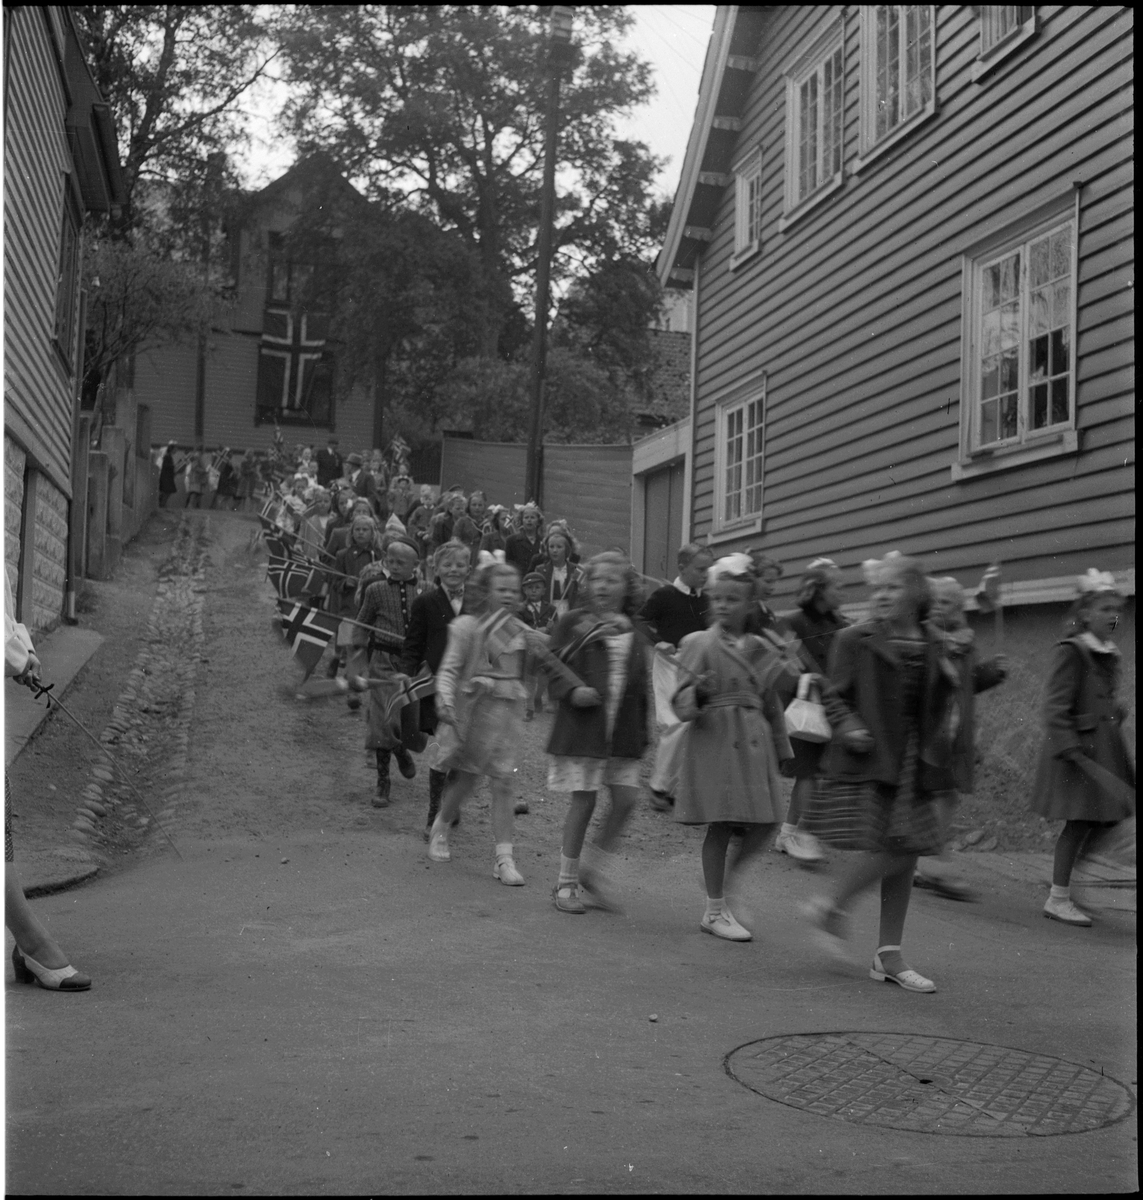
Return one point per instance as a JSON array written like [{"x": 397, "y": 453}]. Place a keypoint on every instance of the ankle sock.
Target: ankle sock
[
  {"x": 503, "y": 850},
  {"x": 714, "y": 907},
  {"x": 1061, "y": 893},
  {"x": 569, "y": 872},
  {"x": 787, "y": 829}
]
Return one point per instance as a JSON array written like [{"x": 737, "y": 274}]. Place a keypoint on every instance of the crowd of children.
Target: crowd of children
[{"x": 491, "y": 610}]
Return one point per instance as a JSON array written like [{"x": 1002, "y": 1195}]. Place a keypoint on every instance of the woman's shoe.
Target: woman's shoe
[
  {"x": 821, "y": 914},
  {"x": 505, "y": 871},
  {"x": 910, "y": 980},
  {"x": 723, "y": 925},
  {"x": 55, "y": 979},
  {"x": 1065, "y": 910},
  {"x": 566, "y": 898}
]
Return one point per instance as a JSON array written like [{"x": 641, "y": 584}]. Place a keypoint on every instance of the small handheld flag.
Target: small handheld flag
[{"x": 308, "y": 632}]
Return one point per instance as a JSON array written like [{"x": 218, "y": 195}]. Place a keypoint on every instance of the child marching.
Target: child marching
[
  {"x": 426, "y": 639},
  {"x": 734, "y": 739},
  {"x": 935, "y": 872},
  {"x": 1084, "y": 776},
  {"x": 480, "y": 701},
  {"x": 393, "y": 728},
  {"x": 600, "y": 730}
]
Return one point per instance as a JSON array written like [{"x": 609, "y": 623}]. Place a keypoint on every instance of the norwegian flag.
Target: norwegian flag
[
  {"x": 308, "y": 632},
  {"x": 290, "y": 577},
  {"x": 279, "y": 550}
]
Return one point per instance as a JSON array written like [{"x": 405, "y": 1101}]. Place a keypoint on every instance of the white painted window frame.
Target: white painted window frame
[
  {"x": 738, "y": 401},
  {"x": 991, "y": 56},
  {"x": 747, "y": 241},
  {"x": 872, "y": 146},
  {"x": 1029, "y": 445},
  {"x": 811, "y": 61}
]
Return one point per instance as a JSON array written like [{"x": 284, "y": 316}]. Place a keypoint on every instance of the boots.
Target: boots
[{"x": 381, "y": 799}]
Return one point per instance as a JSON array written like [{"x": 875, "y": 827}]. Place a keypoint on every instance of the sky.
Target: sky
[{"x": 672, "y": 37}]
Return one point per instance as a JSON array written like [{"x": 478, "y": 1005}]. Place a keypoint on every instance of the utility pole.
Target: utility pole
[{"x": 560, "y": 54}]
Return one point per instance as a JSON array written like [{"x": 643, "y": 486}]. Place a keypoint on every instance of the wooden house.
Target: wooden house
[
  {"x": 60, "y": 162},
  {"x": 907, "y": 231},
  {"x": 271, "y": 363}
]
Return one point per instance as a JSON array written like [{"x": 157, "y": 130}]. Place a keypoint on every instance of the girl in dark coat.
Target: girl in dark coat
[
  {"x": 600, "y": 730},
  {"x": 814, "y": 624},
  {"x": 1083, "y": 776},
  {"x": 524, "y": 545},
  {"x": 889, "y": 704},
  {"x": 974, "y": 676}
]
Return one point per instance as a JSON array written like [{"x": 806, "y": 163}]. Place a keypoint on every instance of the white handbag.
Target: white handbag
[{"x": 805, "y": 718}]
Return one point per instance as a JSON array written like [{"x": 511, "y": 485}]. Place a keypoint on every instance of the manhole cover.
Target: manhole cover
[{"x": 929, "y": 1085}]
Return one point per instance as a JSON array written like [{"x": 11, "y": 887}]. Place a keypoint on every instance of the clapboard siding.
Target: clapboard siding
[
  {"x": 855, "y": 311},
  {"x": 37, "y": 388},
  {"x": 590, "y": 486},
  {"x": 587, "y": 486},
  {"x": 165, "y": 379}
]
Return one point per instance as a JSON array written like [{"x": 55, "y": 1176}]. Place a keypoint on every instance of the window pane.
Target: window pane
[
  {"x": 1010, "y": 277},
  {"x": 1061, "y": 409},
  {"x": 988, "y": 421},
  {"x": 992, "y": 286},
  {"x": 1061, "y": 357},
  {"x": 1040, "y": 311},
  {"x": 807, "y": 179},
  {"x": 833, "y": 119},
  {"x": 1009, "y": 371},
  {"x": 1062, "y": 303},
  {"x": 1038, "y": 358},
  {"x": 990, "y": 342},
  {"x": 1039, "y": 262},
  {"x": 1040, "y": 406},
  {"x": 888, "y": 68},
  {"x": 990, "y": 378},
  {"x": 1008, "y": 416},
  {"x": 1062, "y": 252},
  {"x": 1009, "y": 325}
]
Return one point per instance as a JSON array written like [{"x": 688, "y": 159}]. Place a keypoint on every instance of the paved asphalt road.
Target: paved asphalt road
[{"x": 304, "y": 1005}]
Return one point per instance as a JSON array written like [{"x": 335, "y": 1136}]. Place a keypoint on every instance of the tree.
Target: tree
[
  {"x": 135, "y": 298},
  {"x": 174, "y": 76},
  {"x": 442, "y": 107}
]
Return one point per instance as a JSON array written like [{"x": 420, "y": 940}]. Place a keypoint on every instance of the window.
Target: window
[
  {"x": 1000, "y": 21},
  {"x": 1003, "y": 29},
  {"x": 1019, "y": 356},
  {"x": 815, "y": 111},
  {"x": 67, "y": 284},
  {"x": 897, "y": 70},
  {"x": 747, "y": 207},
  {"x": 740, "y": 451}
]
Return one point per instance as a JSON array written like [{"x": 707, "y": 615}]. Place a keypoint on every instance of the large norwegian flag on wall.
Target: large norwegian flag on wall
[{"x": 295, "y": 369}]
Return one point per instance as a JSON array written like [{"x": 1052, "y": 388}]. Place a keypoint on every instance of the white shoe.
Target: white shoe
[
  {"x": 910, "y": 980},
  {"x": 438, "y": 847},
  {"x": 800, "y": 846},
  {"x": 723, "y": 925},
  {"x": 505, "y": 871},
  {"x": 1066, "y": 911}
]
